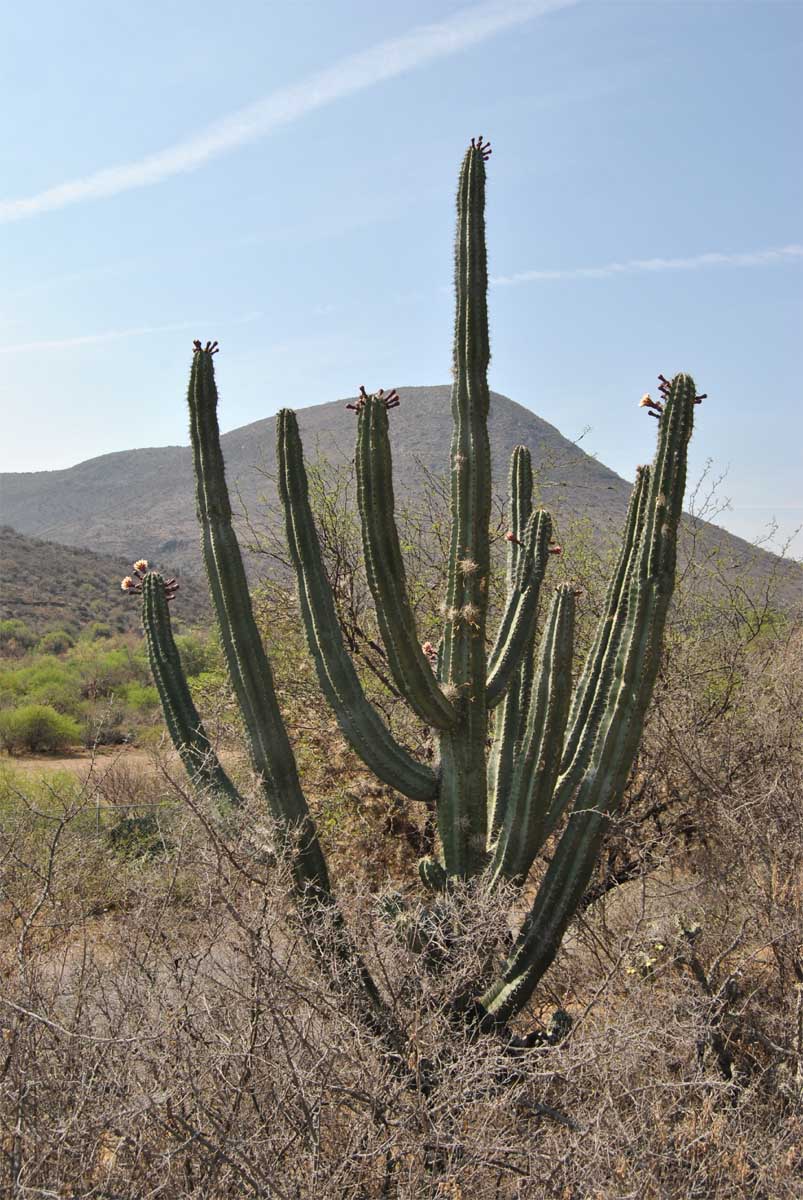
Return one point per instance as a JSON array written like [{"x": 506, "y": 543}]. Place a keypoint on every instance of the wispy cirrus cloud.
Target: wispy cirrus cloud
[
  {"x": 115, "y": 335},
  {"x": 751, "y": 258},
  {"x": 386, "y": 60}
]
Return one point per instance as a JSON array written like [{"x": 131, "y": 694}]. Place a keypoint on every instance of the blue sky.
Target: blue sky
[{"x": 282, "y": 178}]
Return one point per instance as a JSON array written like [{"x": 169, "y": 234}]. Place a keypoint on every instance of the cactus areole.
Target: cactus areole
[{"x": 560, "y": 755}]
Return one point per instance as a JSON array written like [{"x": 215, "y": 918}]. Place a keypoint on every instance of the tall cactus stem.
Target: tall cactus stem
[
  {"x": 248, "y": 666},
  {"x": 252, "y": 680},
  {"x": 361, "y": 725},
  {"x": 515, "y": 635},
  {"x": 507, "y": 723},
  {"x": 539, "y": 754},
  {"x": 462, "y": 815},
  {"x": 644, "y": 611},
  {"x": 385, "y": 569},
  {"x": 593, "y": 686},
  {"x": 181, "y": 716}
]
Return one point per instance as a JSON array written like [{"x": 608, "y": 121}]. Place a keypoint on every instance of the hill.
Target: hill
[
  {"x": 141, "y": 502},
  {"x": 50, "y": 586}
]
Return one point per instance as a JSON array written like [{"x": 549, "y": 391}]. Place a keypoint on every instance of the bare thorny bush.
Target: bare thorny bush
[
  {"x": 178, "y": 1040},
  {"x": 167, "y": 1032}
]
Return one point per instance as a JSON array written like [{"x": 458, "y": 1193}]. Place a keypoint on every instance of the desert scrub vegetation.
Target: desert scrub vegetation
[
  {"x": 166, "y": 1031},
  {"x": 37, "y": 728},
  {"x": 526, "y": 1014},
  {"x": 57, "y": 691}
]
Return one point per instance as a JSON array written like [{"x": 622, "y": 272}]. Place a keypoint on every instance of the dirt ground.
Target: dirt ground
[{"x": 81, "y": 762}]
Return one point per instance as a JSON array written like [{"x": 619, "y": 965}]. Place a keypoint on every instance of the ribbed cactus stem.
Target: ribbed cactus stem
[
  {"x": 462, "y": 815},
  {"x": 539, "y": 753},
  {"x": 502, "y": 762},
  {"x": 181, "y": 716},
  {"x": 248, "y": 666},
  {"x": 385, "y": 569},
  {"x": 549, "y": 757},
  {"x": 507, "y": 719},
  {"x": 515, "y": 634},
  {"x": 252, "y": 680},
  {"x": 593, "y": 687},
  {"x": 361, "y": 725},
  {"x": 520, "y": 501},
  {"x": 643, "y": 615}
]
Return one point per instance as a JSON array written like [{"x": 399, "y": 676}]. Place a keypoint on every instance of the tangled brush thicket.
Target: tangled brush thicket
[{"x": 166, "y": 1033}]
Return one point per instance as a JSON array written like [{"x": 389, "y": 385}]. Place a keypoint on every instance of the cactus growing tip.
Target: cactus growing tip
[{"x": 483, "y": 147}]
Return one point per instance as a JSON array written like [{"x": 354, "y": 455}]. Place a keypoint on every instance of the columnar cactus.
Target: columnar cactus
[{"x": 557, "y": 754}]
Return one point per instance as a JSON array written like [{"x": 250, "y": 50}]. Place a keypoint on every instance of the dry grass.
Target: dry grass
[{"x": 166, "y": 1033}]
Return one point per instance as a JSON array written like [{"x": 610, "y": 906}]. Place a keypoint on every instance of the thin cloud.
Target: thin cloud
[
  {"x": 754, "y": 258},
  {"x": 386, "y": 60},
  {"x": 767, "y": 507},
  {"x": 114, "y": 335}
]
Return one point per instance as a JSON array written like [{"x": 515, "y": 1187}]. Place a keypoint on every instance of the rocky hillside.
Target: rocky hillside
[
  {"x": 140, "y": 502},
  {"x": 50, "y": 586}
]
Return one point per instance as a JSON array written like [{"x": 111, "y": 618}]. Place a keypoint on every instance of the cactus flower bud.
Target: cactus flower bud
[{"x": 647, "y": 401}]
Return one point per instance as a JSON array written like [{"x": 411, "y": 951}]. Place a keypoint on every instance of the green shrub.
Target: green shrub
[
  {"x": 57, "y": 641},
  {"x": 140, "y": 696},
  {"x": 37, "y": 728},
  {"x": 137, "y": 837},
  {"x": 15, "y": 637},
  {"x": 199, "y": 652},
  {"x": 98, "y": 630}
]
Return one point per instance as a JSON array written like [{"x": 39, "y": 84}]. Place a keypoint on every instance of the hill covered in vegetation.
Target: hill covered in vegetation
[
  {"x": 52, "y": 587},
  {"x": 141, "y": 502}
]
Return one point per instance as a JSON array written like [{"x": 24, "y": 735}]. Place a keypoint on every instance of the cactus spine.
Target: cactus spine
[{"x": 553, "y": 752}]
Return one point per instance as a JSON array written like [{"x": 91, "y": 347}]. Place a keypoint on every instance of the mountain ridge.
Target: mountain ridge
[
  {"x": 140, "y": 502},
  {"x": 48, "y": 585}
]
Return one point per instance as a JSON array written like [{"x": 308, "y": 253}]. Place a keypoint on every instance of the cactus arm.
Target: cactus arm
[
  {"x": 361, "y": 725},
  {"x": 252, "y": 680},
  {"x": 571, "y": 868},
  {"x": 540, "y": 750},
  {"x": 507, "y": 721},
  {"x": 516, "y": 628},
  {"x": 249, "y": 669},
  {"x": 520, "y": 500},
  {"x": 593, "y": 686},
  {"x": 462, "y": 810},
  {"x": 521, "y": 505},
  {"x": 644, "y": 614},
  {"x": 384, "y": 566},
  {"x": 556, "y": 903},
  {"x": 502, "y": 762},
  {"x": 181, "y": 716}
]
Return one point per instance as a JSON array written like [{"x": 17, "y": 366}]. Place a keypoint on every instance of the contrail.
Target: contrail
[
  {"x": 753, "y": 258},
  {"x": 386, "y": 60},
  {"x": 114, "y": 335}
]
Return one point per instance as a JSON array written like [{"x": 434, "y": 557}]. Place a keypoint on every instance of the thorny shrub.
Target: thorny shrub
[{"x": 166, "y": 1033}]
